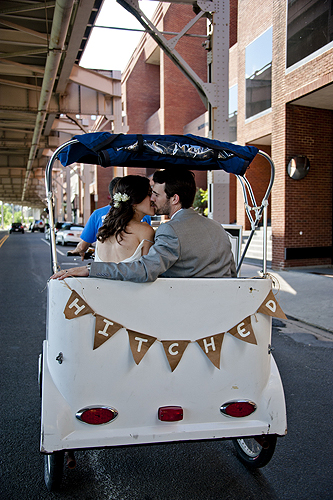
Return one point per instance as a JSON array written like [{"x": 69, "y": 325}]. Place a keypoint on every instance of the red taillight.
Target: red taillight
[
  {"x": 96, "y": 415},
  {"x": 70, "y": 234},
  {"x": 238, "y": 408},
  {"x": 170, "y": 413}
]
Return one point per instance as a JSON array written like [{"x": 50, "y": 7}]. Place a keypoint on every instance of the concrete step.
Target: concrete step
[{"x": 255, "y": 250}]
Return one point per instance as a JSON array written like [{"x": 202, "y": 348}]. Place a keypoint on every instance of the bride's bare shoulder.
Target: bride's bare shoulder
[{"x": 145, "y": 231}]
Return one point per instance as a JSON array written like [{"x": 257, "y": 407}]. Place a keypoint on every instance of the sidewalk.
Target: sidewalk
[{"x": 303, "y": 294}]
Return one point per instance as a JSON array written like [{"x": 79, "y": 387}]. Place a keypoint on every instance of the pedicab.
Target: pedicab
[{"x": 198, "y": 367}]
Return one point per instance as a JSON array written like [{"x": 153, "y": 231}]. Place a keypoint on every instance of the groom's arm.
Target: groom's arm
[{"x": 161, "y": 256}]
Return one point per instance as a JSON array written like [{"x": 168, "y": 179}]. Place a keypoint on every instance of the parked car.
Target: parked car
[
  {"x": 17, "y": 227},
  {"x": 57, "y": 226},
  {"x": 37, "y": 225},
  {"x": 69, "y": 233}
]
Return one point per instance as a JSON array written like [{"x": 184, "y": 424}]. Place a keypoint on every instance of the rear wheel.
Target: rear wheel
[
  {"x": 53, "y": 469},
  {"x": 255, "y": 453}
]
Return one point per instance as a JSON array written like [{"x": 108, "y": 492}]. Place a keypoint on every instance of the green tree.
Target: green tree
[
  {"x": 200, "y": 203},
  {"x": 7, "y": 215},
  {"x": 18, "y": 216}
]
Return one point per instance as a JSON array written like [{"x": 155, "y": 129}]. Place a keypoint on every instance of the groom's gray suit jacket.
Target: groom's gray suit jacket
[{"x": 188, "y": 246}]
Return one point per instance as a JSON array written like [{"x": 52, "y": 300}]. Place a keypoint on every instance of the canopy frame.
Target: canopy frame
[{"x": 249, "y": 202}]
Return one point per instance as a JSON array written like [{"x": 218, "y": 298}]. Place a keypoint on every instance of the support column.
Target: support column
[{"x": 68, "y": 195}]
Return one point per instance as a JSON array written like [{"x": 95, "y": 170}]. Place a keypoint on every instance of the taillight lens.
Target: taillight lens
[
  {"x": 170, "y": 413},
  {"x": 96, "y": 415},
  {"x": 70, "y": 234},
  {"x": 241, "y": 408}
]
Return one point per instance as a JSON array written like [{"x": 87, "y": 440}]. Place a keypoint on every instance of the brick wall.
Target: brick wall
[
  {"x": 233, "y": 19},
  {"x": 182, "y": 103},
  {"x": 299, "y": 206},
  {"x": 142, "y": 94},
  {"x": 308, "y": 214}
]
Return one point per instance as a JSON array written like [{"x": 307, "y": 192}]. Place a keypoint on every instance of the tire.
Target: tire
[
  {"x": 252, "y": 454},
  {"x": 53, "y": 470}
]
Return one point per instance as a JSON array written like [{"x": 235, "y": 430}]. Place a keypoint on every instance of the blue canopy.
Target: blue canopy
[{"x": 158, "y": 151}]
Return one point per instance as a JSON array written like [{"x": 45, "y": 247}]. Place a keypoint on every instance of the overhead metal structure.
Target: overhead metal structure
[
  {"x": 42, "y": 89},
  {"x": 214, "y": 92}
]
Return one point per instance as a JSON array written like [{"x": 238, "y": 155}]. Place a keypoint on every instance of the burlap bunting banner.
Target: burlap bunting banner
[
  {"x": 174, "y": 350},
  {"x": 140, "y": 343},
  {"x": 211, "y": 346},
  {"x": 244, "y": 331},
  {"x": 76, "y": 307},
  {"x": 271, "y": 307},
  {"x": 104, "y": 330}
]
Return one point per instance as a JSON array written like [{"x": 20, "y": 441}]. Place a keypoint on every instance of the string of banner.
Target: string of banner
[{"x": 140, "y": 342}]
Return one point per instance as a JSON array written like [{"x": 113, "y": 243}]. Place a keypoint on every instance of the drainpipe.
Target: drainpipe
[{"x": 60, "y": 25}]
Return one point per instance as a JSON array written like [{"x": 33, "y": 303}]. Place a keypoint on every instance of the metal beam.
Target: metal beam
[
  {"x": 19, "y": 27},
  {"x": 27, "y": 7},
  {"x": 61, "y": 19},
  {"x": 205, "y": 90},
  {"x": 95, "y": 81},
  {"x": 33, "y": 69}
]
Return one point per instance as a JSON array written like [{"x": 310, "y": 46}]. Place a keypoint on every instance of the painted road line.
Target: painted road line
[
  {"x": 3, "y": 240},
  {"x": 59, "y": 251}
]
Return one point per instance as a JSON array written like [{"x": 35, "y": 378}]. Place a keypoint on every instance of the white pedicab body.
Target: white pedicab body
[{"x": 169, "y": 309}]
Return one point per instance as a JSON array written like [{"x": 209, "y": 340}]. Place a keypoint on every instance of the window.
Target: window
[
  {"x": 309, "y": 28},
  {"x": 233, "y": 108},
  {"x": 258, "y": 74}
]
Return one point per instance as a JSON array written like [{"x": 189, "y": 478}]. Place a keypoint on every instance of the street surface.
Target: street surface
[{"x": 301, "y": 467}]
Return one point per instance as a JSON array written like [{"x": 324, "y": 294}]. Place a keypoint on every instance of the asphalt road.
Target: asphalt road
[{"x": 301, "y": 467}]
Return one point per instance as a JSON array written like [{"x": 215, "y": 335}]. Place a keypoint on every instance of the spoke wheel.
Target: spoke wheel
[
  {"x": 253, "y": 454},
  {"x": 53, "y": 470}
]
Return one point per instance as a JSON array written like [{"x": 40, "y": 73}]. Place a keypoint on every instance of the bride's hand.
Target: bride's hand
[{"x": 74, "y": 271}]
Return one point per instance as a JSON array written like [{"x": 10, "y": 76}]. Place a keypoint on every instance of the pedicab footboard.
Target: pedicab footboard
[{"x": 162, "y": 358}]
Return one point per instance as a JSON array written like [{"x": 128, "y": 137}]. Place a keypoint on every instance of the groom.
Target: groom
[{"x": 187, "y": 246}]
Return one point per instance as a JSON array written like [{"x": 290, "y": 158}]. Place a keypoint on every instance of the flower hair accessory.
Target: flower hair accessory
[{"x": 118, "y": 198}]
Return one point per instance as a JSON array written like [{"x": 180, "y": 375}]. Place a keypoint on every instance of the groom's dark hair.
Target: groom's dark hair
[{"x": 177, "y": 180}]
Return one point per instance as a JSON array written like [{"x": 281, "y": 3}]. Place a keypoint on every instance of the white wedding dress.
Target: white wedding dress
[{"x": 135, "y": 256}]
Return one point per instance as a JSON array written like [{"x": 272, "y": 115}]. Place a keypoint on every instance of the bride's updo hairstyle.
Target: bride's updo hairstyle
[{"x": 129, "y": 190}]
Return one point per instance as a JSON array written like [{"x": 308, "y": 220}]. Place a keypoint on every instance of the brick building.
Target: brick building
[{"x": 280, "y": 99}]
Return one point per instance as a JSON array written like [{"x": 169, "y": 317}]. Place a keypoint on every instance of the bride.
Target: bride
[{"x": 123, "y": 237}]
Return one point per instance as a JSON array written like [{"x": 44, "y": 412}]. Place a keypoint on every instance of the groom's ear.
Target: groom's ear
[{"x": 175, "y": 199}]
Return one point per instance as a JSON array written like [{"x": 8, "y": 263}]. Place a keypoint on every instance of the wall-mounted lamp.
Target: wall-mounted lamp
[{"x": 298, "y": 167}]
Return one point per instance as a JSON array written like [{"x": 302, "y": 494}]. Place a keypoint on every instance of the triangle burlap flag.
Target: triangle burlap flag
[
  {"x": 104, "y": 329},
  {"x": 211, "y": 346},
  {"x": 244, "y": 331},
  {"x": 76, "y": 306},
  {"x": 271, "y": 307},
  {"x": 139, "y": 344},
  {"x": 174, "y": 350}
]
